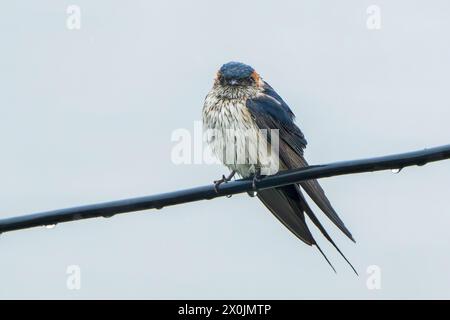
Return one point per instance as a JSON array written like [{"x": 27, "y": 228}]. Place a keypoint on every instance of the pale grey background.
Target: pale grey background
[{"x": 86, "y": 116}]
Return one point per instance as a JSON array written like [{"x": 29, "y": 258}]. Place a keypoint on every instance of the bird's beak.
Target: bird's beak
[{"x": 233, "y": 82}]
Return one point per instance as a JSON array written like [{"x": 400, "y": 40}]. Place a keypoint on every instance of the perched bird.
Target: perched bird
[{"x": 240, "y": 110}]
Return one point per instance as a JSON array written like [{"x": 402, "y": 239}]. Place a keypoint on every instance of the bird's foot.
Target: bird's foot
[
  {"x": 256, "y": 178},
  {"x": 224, "y": 179}
]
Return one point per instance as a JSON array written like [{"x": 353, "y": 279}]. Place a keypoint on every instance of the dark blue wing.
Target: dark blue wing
[{"x": 269, "y": 111}]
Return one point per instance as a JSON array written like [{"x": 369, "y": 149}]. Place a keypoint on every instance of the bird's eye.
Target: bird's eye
[{"x": 249, "y": 81}]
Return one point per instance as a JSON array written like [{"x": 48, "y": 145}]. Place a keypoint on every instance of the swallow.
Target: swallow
[{"x": 241, "y": 101}]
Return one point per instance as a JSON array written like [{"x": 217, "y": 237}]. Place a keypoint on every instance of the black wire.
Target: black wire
[{"x": 159, "y": 201}]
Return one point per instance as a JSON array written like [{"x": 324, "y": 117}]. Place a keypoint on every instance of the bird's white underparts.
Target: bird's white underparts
[{"x": 240, "y": 148}]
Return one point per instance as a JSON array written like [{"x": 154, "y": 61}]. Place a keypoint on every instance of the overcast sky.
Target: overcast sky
[{"x": 87, "y": 116}]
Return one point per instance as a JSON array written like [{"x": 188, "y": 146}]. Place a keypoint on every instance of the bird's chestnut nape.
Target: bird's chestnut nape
[{"x": 255, "y": 76}]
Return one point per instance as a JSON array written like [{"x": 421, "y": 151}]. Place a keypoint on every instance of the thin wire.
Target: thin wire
[{"x": 159, "y": 201}]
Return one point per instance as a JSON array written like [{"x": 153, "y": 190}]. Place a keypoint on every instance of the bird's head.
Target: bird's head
[{"x": 237, "y": 75}]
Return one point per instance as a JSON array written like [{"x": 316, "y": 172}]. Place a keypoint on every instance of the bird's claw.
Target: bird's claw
[
  {"x": 217, "y": 183},
  {"x": 224, "y": 179},
  {"x": 256, "y": 178}
]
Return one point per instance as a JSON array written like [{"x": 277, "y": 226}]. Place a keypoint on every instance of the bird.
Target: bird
[{"x": 239, "y": 111}]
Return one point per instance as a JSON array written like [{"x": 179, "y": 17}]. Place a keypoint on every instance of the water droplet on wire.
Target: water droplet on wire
[
  {"x": 398, "y": 170},
  {"x": 252, "y": 193},
  {"x": 421, "y": 164},
  {"x": 50, "y": 226}
]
